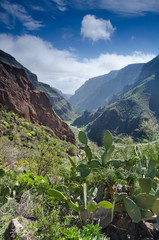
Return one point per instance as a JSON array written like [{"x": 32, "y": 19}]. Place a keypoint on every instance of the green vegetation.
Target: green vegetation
[
  {"x": 133, "y": 110},
  {"x": 129, "y": 114},
  {"x": 62, "y": 192},
  {"x": 23, "y": 143}
]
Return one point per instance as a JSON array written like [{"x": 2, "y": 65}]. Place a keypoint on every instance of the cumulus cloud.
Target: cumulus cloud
[
  {"x": 17, "y": 11},
  {"x": 62, "y": 69},
  {"x": 96, "y": 28}
]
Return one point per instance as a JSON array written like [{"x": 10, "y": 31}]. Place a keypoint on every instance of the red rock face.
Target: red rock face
[{"x": 19, "y": 95}]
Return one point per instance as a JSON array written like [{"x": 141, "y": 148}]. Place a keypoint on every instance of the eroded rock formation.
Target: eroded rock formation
[{"x": 19, "y": 95}]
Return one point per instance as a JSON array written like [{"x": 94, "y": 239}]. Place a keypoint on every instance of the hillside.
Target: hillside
[
  {"x": 139, "y": 103},
  {"x": 60, "y": 105},
  {"x": 19, "y": 95},
  {"x": 98, "y": 92},
  {"x": 87, "y": 117},
  {"x": 81, "y": 96}
]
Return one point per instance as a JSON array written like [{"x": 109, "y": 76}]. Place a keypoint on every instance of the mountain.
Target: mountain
[
  {"x": 139, "y": 103},
  {"x": 87, "y": 117},
  {"x": 60, "y": 105},
  {"x": 98, "y": 91},
  {"x": 19, "y": 95},
  {"x": 65, "y": 95},
  {"x": 82, "y": 95}
]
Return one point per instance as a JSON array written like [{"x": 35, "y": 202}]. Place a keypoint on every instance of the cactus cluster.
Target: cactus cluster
[
  {"x": 84, "y": 169},
  {"x": 142, "y": 206}
]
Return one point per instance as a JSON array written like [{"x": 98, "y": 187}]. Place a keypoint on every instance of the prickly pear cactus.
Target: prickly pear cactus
[
  {"x": 132, "y": 209},
  {"x": 83, "y": 137}
]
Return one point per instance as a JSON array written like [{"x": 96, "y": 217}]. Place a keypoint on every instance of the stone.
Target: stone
[{"x": 18, "y": 227}]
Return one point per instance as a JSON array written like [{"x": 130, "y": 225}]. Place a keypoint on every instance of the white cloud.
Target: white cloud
[
  {"x": 96, "y": 28},
  {"x": 18, "y": 12},
  {"x": 126, "y": 7},
  {"x": 62, "y": 69},
  {"x": 135, "y": 7},
  {"x": 61, "y": 4},
  {"x": 4, "y": 18},
  {"x": 38, "y": 8}
]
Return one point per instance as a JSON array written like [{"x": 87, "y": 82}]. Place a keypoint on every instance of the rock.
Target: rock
[
  {"x": 26, "y": 206},
  {"x": 19, "y": 95},
  {"x": 18, "y": 228}
]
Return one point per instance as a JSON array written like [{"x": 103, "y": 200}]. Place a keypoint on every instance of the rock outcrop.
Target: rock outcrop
[
  {"x": 19, "y": 95},
  {"x": 18, "y": 229},
  {"x": 59, "y": 104}
]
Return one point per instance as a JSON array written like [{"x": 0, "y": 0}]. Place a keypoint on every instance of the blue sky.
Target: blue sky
[{"x": 66, "y": 42}]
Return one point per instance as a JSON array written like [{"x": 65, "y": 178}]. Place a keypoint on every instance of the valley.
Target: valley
[{"x": 92, "y": 176}]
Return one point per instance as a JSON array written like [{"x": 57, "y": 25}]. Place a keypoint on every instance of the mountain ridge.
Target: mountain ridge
[
  {"x": 139, "y": 103},
  {"x": 103, "y": 88}
]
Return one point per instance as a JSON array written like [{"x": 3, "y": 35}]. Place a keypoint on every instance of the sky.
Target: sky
[{"x": 66, "y": 42}]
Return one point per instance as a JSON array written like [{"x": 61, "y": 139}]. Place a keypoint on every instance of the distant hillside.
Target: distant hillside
[
  {"x": 60, "y": 105},
  {"x": 81, "y": 96},
  {"x": 97, "y": 92},
  {"x": 87, "y": 117},
  {"x": 65, "y": 95},
  {"x": 138, "y": 104}
]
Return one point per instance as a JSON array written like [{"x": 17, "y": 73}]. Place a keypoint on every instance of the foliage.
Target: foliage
[
  {"x": 66, "y": 192},
  {"x": 85, "y": 169},
  {"x": 150, "y": 128},
  {"x": 29, "y": 142},
  {"x": 7, "y": 211},
  {"x": 4, "y": 190},
  {"x": 86, "y": 233},
  {"x": 140, "y": 171}
]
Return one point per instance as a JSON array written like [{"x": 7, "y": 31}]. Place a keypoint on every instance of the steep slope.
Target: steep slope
[
  {"x": 60, "y": 105},
  {"x": 99, "y": 91},
  {"x": 81, "y": 96},
  {"x": 138, "y": 104},
  {"x": 87, "y": 117},
  {"x": 19, "y": 95}
]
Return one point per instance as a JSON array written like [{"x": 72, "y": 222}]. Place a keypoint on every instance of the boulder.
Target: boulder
[{"x": 18, "y": 228}]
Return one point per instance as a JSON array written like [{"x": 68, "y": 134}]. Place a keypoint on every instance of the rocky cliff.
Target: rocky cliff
[
  {"x": 60, "y": 105},
  {"x": 18, "y": 94}
]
